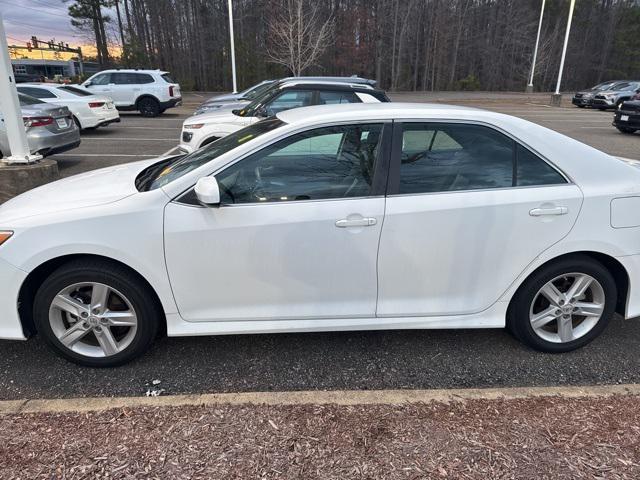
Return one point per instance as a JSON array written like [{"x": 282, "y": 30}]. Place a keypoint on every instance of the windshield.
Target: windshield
[
  {"x": 255, "y": 92},
  {"x": 161, "y": 173},
  {"x": 603, "y": 86},
  {"x": 26, "y": 100},
  {"x": 250, "y": 110},
  {"x": 76, "y": 91}
]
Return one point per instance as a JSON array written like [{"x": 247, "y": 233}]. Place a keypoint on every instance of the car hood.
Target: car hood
[
  {"x": 98, "y": 187},
  {"x": 221, "y": 107},
  {"x": 219, "y": 98},
  {"x": 216, "y": 117}
]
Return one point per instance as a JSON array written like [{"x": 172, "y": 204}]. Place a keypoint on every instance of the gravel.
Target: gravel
[{"x": 539, "y": 438}]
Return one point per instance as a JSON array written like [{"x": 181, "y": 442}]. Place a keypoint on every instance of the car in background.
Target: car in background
[
  {"x": 231, "y": 101},
  {"x": 627, "y": 116},
  {"x": 614, "y": 96},
  {"x": 583, "y": 98},
  {"x": 50, "y": 128},
  {"x": 150, "y": 92},
  {"x": 334, "y": 217},
  {"x": 200, "y": 130},
  {"x": 89, "y": 111}
]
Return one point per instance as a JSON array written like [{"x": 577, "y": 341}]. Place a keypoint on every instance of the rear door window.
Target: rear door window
[
  {"x": 332, "y": 98},
  {"x": 36, "y": 92}
]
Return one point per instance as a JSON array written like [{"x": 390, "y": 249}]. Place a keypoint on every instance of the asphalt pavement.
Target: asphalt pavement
[{"x": 328, "y": 361}]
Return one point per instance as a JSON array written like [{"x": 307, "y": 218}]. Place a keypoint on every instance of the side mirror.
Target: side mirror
[
  {"x": 262, "y": 112},
  {"x": 208, "y": 192}
]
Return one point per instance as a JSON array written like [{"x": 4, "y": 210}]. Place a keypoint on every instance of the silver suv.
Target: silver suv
[{"x": 614, "y": 96}]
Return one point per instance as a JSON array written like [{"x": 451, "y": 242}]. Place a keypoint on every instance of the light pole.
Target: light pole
[
  {"x": 233, "y": 48},
  {"x": 535, "y": 50},
  {"x": 16, "y": 134},
  {"x": 556, "y": 98}
]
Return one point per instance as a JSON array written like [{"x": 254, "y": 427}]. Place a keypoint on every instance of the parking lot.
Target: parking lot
[
  {"x": 137, "y": 138},
  {"x": 362, "y": 360}
]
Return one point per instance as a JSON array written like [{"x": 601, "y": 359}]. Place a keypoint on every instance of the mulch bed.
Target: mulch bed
[{"x": 537, "y": 438}]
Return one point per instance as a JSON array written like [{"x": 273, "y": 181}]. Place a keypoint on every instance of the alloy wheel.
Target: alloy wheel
[
  {"x": 567, "y": 307},
  {"x": 93, "y": 319}
]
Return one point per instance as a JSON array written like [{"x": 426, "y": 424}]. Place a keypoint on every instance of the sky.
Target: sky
[{"x": 45, "y": 19}]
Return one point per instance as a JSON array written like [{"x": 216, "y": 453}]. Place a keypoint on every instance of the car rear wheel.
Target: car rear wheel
[
  {"x": 563, "y": 306},
  {"x": 626, "y": 129},
  {"x": 149, "y": 107},
  {"x": 96, "y": 314}
]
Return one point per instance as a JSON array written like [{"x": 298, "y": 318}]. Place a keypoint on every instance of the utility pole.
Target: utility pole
[
  {"x": 16, "y": 134},
  {"x": 233, "y": 48},
  {"x": 556, "y": 98},
  {"x": 535, "y": 51}
]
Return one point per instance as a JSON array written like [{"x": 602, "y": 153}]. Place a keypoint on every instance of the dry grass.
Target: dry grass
[{"x": 539, "y": 438}]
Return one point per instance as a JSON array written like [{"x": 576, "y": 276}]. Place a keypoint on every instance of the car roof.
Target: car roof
[
  {"x": 324, "y": 84},
  {"x": 131, "y": 70}
]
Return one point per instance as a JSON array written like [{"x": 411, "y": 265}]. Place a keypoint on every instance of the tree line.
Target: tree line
[{"x": 420, "y": 45}]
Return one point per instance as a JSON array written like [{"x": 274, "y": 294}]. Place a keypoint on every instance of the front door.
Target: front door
[
  {"x": 469, "y": 209},
  {"x": 296, "y": 235}
]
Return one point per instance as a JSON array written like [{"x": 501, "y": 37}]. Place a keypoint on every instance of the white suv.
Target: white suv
[{"x": 150, "y": 92}]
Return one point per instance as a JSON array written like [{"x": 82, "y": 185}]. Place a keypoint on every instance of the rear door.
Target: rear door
[{"x": 468, "y": 209}]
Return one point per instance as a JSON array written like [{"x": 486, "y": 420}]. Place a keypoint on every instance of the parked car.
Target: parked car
[
  {"x": 150, "y": 92},
  {"x": 200, "y": 130},
  {"x": 50, "y": 128},
  {"x": 617, "y": 94},
  {"x": 627, "y": 117},
  {"x": 239, "y": 100},
  {"x": 334, "y": 217},
  {"x": 583, "y": 98},
  {"x": 89, "y": 111}
]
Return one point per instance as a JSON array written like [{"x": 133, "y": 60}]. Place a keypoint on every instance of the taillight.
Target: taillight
[
  {"x": 171, "y": 90},
  {"x": 37, "y": 121},
  {"x": 96, "y": 104}
]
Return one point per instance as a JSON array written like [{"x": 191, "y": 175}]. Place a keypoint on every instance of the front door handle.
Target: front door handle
[
  {"x": 539, "y": 212},
  {"x": 356, "y": 222}
]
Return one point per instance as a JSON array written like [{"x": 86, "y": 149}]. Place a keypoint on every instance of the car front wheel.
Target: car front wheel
[
  {"x": 96, "y": 314},
  {"x": 563, "y": 306}
]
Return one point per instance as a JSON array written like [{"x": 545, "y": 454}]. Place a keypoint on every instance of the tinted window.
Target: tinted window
[
  {"x": 441, "y": 158},
  {"x": 288, "y": 100},
  {"x": 26, "y": 100},
  {"x": 36, "y": 92},
  {"x": 532, "y": 170},
  {"x": 329, "y": 98},
  {"x": 102, "y": 79},
  {"x": 167, "y": 78},
  {"x": 122, "y": 78},
  {"x": 76, "y": 91},
  {"x": 330, "y": 162}
]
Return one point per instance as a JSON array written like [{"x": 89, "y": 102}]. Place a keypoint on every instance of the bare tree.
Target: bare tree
[{"x": 299, "y": 36}]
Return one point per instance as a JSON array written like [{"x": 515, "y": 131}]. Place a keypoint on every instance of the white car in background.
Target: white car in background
[
  {"x": 337, "y": 217},
  {"x": 150, "y": 92},
  {"x": 203, "y": 129},
  {"x": 89, "y": 111}
]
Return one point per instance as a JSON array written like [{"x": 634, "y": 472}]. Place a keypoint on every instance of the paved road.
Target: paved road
[{"x": 362, "y": 360}]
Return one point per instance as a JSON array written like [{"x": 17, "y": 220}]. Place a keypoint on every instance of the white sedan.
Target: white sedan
[
  {"x": 345, "y": 217},
  {"x": 89, "y": 110}
]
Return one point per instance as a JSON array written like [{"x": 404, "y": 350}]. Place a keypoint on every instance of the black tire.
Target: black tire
[
  {"x": 518, "y": 313},
  {"x": 602, "y": 109},
  {"x": 149, "y": 315},
  {"x": 148, "y": 107},
  {"x": 626, "y": 130},
  {"x": 581, "y": 106}
]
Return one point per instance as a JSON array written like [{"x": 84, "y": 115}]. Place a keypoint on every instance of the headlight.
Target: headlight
[
  {"x": 194, "y": 126},
  {"x": 5, "y": 235}
]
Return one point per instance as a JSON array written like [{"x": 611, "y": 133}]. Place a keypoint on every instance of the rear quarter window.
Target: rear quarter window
[{"x": 167, "y": 78}]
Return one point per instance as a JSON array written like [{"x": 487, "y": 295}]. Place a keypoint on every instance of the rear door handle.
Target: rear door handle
[
  {"x": 356, "y": 222},
  {"x": 539, "y": 212}
]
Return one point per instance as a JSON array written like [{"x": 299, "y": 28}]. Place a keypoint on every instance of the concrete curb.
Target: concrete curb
[{"x": 379, "y": 397}]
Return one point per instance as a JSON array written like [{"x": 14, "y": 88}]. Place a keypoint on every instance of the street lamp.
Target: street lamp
[
  {"x": 233, "y": 48},
  {"x": 535, "y": 51},
  {"x": 556, "y": 98}
]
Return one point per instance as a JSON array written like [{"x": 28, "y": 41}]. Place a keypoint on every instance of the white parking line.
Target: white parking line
[
  {"x": 148, "y": 128},
  {"x": 82, "y": 155},
  {"x": 169, "y": 151}
]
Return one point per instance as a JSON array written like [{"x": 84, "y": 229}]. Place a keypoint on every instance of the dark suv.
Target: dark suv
[{"x": 627, "y": 117}]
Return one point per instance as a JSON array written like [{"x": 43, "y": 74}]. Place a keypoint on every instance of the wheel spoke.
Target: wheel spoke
[
  {"x": 588, "y": 309},
  {"x": 99, "y": 296},
  {"x": 565, "y": 329},
  {"x": 120, "y": 319},
  {"x": 552, "y": 294},
  {"x": 73, "y": 334},
  {"x": 69, "y": 305},
  {"x": 579, "y": 286},
  {"x": 107, "y": 341},
  {"x": 541, "y": 319}
]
